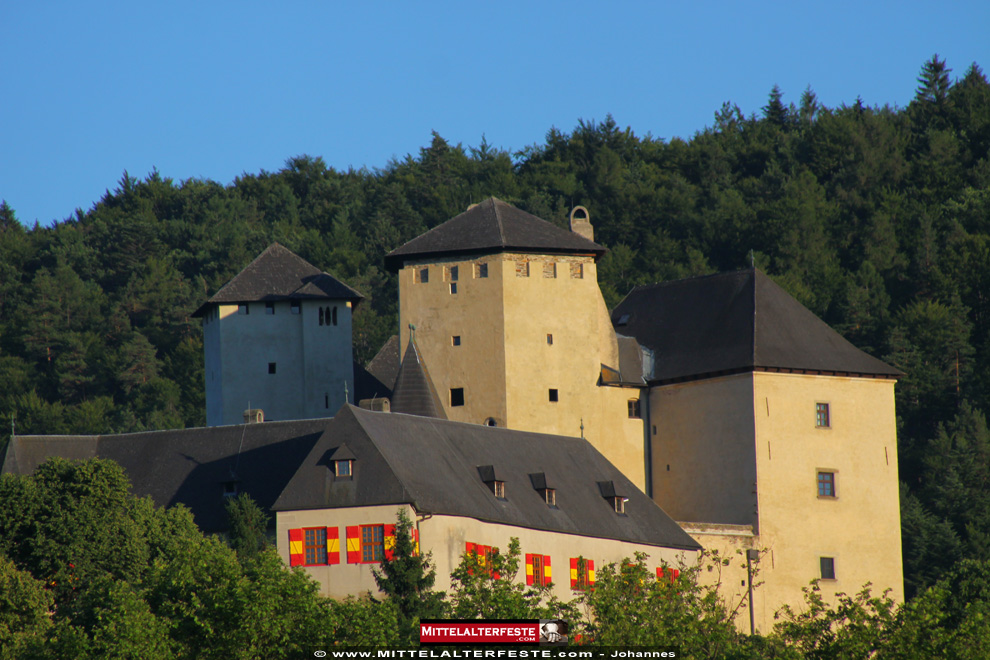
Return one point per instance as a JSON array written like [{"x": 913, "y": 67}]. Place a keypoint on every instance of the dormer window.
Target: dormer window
[
  {"x": 230, "y": 488},
  {"x": 341, "y": 461},
  {"x": 616, "y": 500},
  {"x": 343, "y": 468},
  {"x": 496, "y": 485},
  {"x": 541, "y": 486}
]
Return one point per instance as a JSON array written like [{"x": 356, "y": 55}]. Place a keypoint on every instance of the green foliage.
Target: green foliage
[
  {"x": 407, "y": 579},
  {"x": 489, "y": 590},
  {"x": 248, "y": 526}
]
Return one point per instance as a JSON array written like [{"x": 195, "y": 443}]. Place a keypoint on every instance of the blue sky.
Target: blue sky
[{"x": 214, "y": 89}]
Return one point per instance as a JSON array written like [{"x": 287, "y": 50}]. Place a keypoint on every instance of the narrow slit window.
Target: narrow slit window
[
  {"x": 822, "y": 418},
  {"x": 453, "y": 288},
  {"x": 549, "y": 339},
  {"x": 333, "y": 316}
]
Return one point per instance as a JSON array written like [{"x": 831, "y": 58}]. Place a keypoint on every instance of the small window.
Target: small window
[
  {"x": 315, "y": 545},
  {"x": 549, "y": 496},
  {"x": 372, "y": 543},
  {"x": 343, "y": 468},
  {"x": 333, "y": 316},
  {"x": 577, "y": 271},
  {"x": 550, "y": 270},
  {"x": 271, "y": 367},
  {"x": 326, "y": 400},
  {"x": 633, "y": 408},
  {"x": 619, "y": 504},
  {"x": 321, "y": 316},
  {"x": 294, "y": 307},
  {"x": 422, "y": 275},
  {"x": 230, "y": 489},
  {"x": 522, "y": 269},
  {"x": 456, "y": 396},
  {"x": 269, "y": 309},
  {"x": 452, "y": 274},
  {"x": 498, "y": 489},
  {"x": 553, "y": 396},
  {"x": 828, "y": 568},
  {"x": 491, "y": 421},
  {"x": 538, "y": 570},
  {"x": 582, "y": 574},
  {"x": 243, "y": 309},
  {"x": 455, "y": 340},
  {"x": 481, "y": 270},
  {"x": 549, "y": 339},
  {"x": 623, "y": 320},
  {"x": 822, "y": 419},
  {"x": 826, "y": 484},
  {"x": 453, "y": 288}
]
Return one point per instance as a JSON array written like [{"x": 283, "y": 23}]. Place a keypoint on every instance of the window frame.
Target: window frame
[
  {"x": 633, "y": 409},
  {"x": 829, "y": 484},
  {"x": 318, "y": 545},
  {"x": 823, "y": 413},
  {"x": 244, "y": 309},
  {"x": 824, "y": 562},
  {"x": 348, "y": 468},
  {"x": 373, "y": 544}
]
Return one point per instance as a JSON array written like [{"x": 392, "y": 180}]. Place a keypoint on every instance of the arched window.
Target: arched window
[{"x": 321, "y": 316}]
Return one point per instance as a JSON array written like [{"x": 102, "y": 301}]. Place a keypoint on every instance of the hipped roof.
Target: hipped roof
[
  {"x": 733, "y": 322},
  {"x": 433, "y": 465},
  {"x": 280, "y": 274},
  {"x": 493, "y": 226}
]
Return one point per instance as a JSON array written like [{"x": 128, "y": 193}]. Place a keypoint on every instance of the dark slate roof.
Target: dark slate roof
[
  {"x": 187, "y": 466},
  {"x": 493, "y": 226},
  {"x": 280, "y": 274},
  {"x": 434, "y": 465},
  {"x": 414, "y": 393},
  {"x": 385, "y": 365},
  {"x": 734, "y": 322}
]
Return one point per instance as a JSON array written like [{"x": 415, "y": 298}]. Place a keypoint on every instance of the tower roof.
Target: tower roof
[
  {"x": 735, "y": 322},
  {"x": 414, "y": 393},
  {"x": 493, "y": 226},
  {"x": 280, "y": 274}
]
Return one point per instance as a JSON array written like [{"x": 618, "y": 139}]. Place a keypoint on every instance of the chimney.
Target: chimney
[
  {"x": 581, "y": 223},
  {"x": 254, "y": 416}
]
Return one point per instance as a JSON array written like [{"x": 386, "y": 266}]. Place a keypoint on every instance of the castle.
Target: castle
[{"x": 722, "y": 399}]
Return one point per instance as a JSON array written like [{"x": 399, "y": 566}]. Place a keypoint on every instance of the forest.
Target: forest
[{"x": 876, "y": 218}]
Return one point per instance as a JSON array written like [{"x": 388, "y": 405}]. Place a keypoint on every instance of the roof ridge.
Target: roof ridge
[
  {"x": 498, "y": 220},
  {"x": 752, "y": 343}
]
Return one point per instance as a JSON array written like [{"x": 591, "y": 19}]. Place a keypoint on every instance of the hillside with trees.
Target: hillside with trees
[{"x": 876, "y": 218}]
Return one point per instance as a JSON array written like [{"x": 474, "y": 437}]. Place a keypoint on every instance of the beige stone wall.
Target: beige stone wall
[
  {"x": 860, "y": 527},
  {"x": 446, "y": 537},
  {"x": 704, "y": 463},
  {"x": 710, "y": 432},
  {"x": 528, "y": 328}
]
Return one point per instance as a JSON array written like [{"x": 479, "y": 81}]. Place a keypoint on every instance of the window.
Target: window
[
  {"x": 343, "y": 468},
  {"x": 271, "y": 367},
  {"x": 828, "y": 568},
  {"x": 230, "y": 489},
  {"x": 315, "y": 545},
  {"x": 481, "y": 270},
  {"x": 826, "y": 484},
  {"x": 456, "y": 396},
  {"x": 422, "y": 275},
  {"x": 538, "y": 570},
  {"x": 582, "y": 574},
  {"x": 822, "y": 420},
  {"x": 549, "y": 270},
  {"x": 326, "y": 400},
  {"x": 549, "y": 496},
  {"x": 243, "y": 309},
  {"x": 553, "y": 396},
  {"x": 491, "y": 421},
  {"x": 452, "y": 274},
  {"x": 269, "y": 309},
  {"x": 321, "y": 316},
  {"x": 522, "y": 269},
  {"x": 455, "y": 340},
  {"x": 498, "y": 489},
  {"x": 484, "y": 555},
  {"x": 619, "y": 504},
  {"x": 633, "y": 408},
  {"x": 549, "y": 339},
  {"x": 333, "y": 316},
  {"x": 294, "y": 307},
  {"x": 577, "y": 271},
  {"x": 372, "y": 543},
  {"x": 453, "y": 288}
]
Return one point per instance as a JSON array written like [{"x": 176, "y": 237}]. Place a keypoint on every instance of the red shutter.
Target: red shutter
[
  {"x": 659, "y": 572},
  {"x": 389, "y": 539},
  {"x": 354, "y": 545},
  {"x": 297, "y": 556},
  {"x": 469, "y": 548},
  {"x": 333, "y": 545},
  {"x": 529, "y": 570},
  {"x": 575, "y": 567},
  {"x": 675, "y": 574},
  {"x": 547, "y": 576}
]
